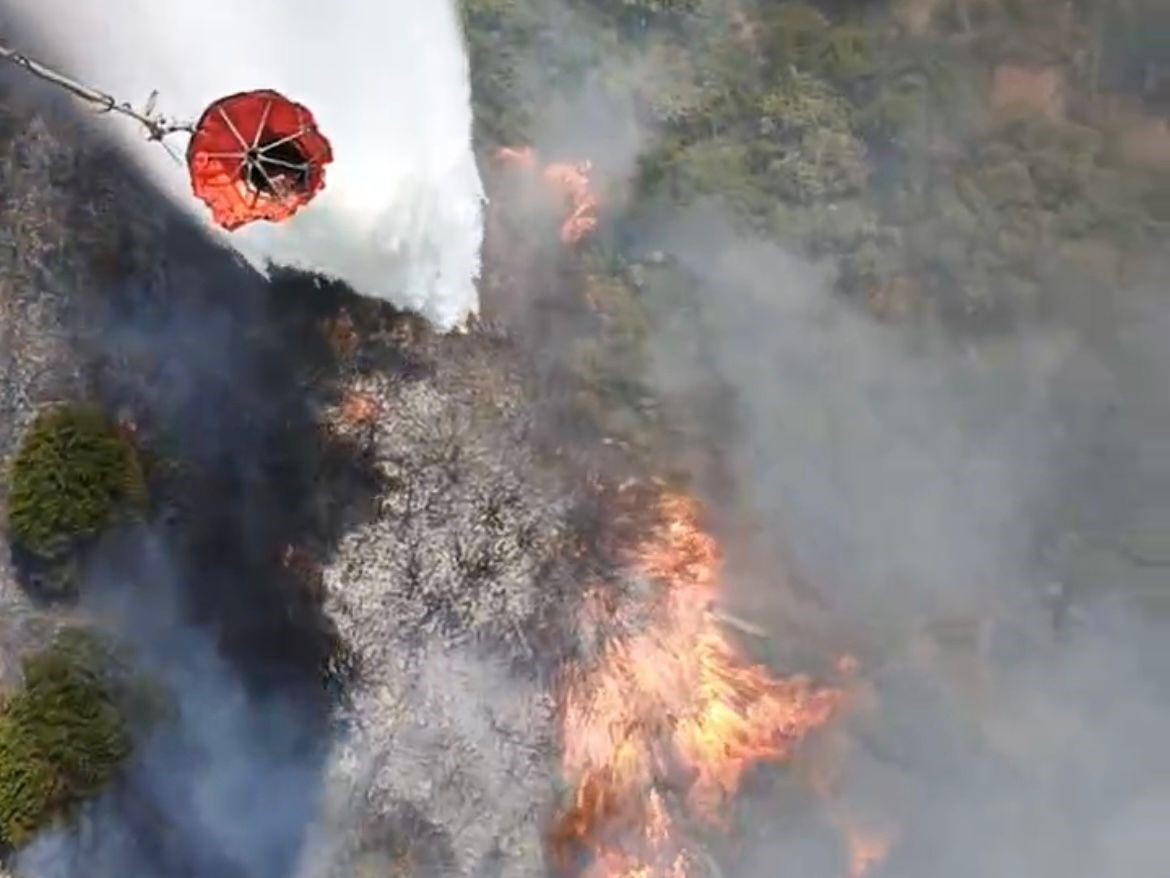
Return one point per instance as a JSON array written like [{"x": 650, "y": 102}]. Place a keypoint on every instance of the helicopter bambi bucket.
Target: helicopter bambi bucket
[
  {"x": 256, "y": 156},
  {"x": 252, "y": 156}
]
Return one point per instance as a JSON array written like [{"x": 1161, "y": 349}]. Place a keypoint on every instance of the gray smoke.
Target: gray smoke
[
  {"x": 226, "y": 785},
  {"x": 176, "y": 338},
  {"x": 898, "y": 493},
  {"x": 913, "y": 481},
  {"x": 975, "y": 518}
]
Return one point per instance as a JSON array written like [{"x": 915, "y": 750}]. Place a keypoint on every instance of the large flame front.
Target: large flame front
[{"x": 660, "y": 729}]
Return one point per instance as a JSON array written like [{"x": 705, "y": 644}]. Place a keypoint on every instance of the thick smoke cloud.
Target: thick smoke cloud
[
  {"x": 840, "y": 420},
  {"x": 922, "y": 491},
  {"x": 911, "y": 480},
  {"x": 400, "y": 218}
]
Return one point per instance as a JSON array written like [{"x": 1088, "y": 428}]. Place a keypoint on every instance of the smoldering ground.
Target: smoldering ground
[
  {"x": 228, "y": 783},
  {"x": 218, "y": 375},
  {"x": 225, "y": 783}
]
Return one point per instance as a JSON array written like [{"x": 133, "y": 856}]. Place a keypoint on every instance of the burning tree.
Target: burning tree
[{"x": 661, "y": 726}]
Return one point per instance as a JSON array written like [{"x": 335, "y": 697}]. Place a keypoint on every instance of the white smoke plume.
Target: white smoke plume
[{"x": 400, "y": 218}]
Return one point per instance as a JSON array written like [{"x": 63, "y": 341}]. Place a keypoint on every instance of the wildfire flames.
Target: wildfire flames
[
  {"x": 866, "y": 851},
  {"x": 569, "y": 181},
  {"x": 359, "y": 409},
  {"x": 660, "y": 729},
  {"x": 356, "y": 413}
]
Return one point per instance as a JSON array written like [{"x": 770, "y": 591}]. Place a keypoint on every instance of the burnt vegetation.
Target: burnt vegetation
[{"x": 165, "y": 396}]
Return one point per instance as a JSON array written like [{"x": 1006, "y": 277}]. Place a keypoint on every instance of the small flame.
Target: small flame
[
  {"x": 867, "y": 835},
  {"x": 573, "y": 181},
  {"x": 359, "y": 409},
  {"x": 667, "y": 721},
  {"x": 866, "y": 850},
  {"x": 356, "y": 414},
  {"x": 568, "y": 181}
]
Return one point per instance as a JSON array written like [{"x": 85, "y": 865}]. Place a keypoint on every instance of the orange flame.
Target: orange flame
[
  {"x": 356, "y": 413},
  {"x": 866, "y": 850},
  {"x": 867, "y": 835},
  {"x": 359, "y": 409},
  {"x": 669, "y": 718},
  {"x": 567, "y": 180}
]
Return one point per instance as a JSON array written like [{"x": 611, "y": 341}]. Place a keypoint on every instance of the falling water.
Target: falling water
[{"x": 401, "y": 216}]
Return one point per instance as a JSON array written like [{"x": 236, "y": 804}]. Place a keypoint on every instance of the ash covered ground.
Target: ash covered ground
[{"x": 454, "y": 603}]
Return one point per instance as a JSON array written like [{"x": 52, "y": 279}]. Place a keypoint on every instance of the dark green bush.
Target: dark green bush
[
  {"x": 63, "y": 735},
  {"x": 72, "y": 474}
]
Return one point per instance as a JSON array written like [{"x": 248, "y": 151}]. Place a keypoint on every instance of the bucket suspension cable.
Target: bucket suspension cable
[
  {"x": 252, "y": 156},
  {"x": 157, "y": 126}
]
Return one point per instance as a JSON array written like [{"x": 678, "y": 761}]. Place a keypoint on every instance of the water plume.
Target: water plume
[{"x": 400, "y": 218}]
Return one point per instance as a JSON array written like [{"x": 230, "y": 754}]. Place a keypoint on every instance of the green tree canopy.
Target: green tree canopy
[
  {"x": 72, "y": 473},
  {"x": 62, "y": 736}
]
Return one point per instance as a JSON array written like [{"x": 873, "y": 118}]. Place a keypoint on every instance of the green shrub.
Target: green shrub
[
  {"x": 72, "y": 474},
  {"x": 800, "y": 108},
  {"x": 62, "y": 736},
  {"x": 799, "y": 36}
]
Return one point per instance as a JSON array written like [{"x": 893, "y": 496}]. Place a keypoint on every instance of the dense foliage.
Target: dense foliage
[
  {"x": 72, "y": 474},
  {"x": 985, "y": 165},
  {"x": 62, "y": 736},
  {"x": 957, "y": 158}
]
